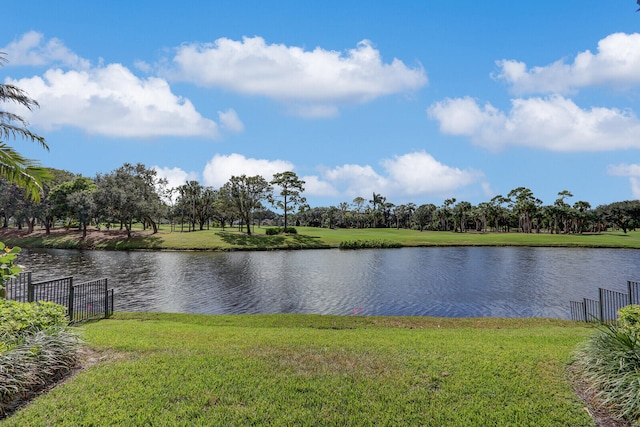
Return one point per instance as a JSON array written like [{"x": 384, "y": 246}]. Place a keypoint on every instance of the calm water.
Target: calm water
[{"x": 451, "y": 282}]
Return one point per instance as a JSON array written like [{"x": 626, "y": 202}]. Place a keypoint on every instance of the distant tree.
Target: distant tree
[
  {"x": 289, "y": 190},
  {"x": 128, "y": 194},
  {"x": 423, "y": 215},
  {"x": 60, "y": 196},
  {"x": 377, "y": 206},
  {"x": 625, "y": 215},
  {"x": 82, "y": 203},
  {"x": 358, "y": 204},
  {"x": 525, "y": 205},
  {"x": 246, "y": 194}
]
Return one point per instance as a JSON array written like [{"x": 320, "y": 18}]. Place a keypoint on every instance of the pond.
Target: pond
[{"x": 449, "y": 282}]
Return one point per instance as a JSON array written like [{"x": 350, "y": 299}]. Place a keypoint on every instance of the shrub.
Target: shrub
[
  {"x": 629, "y": 318},
  {"x": 37, "y": 361},
  {"x": 272, "y": 231},
  {"x": 36, "y": 348},
  {"x": 18, "y": 319},
  {"x": 277, "y": 230},
  {"x": 610, "y": 363},
  {"x": 369, "y": 244}
]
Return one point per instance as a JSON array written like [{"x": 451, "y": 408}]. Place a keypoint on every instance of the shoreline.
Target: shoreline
[{"x": 229, "y": 239}]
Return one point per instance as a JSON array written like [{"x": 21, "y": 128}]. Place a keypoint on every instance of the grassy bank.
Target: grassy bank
[
  {"x": 307, "y": 238},
  {"x": 167, "y": 369}
]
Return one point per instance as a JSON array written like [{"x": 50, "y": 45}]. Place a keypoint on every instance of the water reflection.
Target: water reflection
[{"x": 451, "y": 282}]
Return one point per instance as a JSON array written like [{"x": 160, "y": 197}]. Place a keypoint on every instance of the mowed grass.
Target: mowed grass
[
  {"x": 197, "y": 370},
  {"x": 315, "y": 238}
]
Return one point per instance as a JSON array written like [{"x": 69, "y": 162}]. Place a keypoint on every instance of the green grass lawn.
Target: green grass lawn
[
  {"x": 310, "y": 238},
  {"x": 197, "y": 370}
]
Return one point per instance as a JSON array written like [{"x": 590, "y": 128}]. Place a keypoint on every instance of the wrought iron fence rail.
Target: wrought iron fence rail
[
  {"x": 605, "y": 309},
  {"x": 84, "y": 301}
]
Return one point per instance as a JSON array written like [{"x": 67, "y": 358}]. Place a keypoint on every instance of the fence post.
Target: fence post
[
  {"x": 601, "y": 297},
  {"x": 30, "y": 288},
  {"x": 106, "y": 299},
  {"x": 71, "y": 299}
]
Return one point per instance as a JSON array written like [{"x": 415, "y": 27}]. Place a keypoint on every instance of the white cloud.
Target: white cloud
[
  {"x": 316, "y": 82},
  {"x": 554, "y": 123},
  {"x": 401, "y": 177},
  {"x": 30, "y": 49},
  {"x": 405, "y": 176},
  {"x": 112, "y": 101},
  {"x": 635, "y": 187},
  {"x": 315, "y": 186},
  {"x": 632, "y": 171},
  {"x": 230, "y": 121},
  {"x": 354, "y": 180},
  {"x": 624, "y": 170},
  {"x": 175, "y": 176},
  {"x": 419, "y": 173},
  {"x": 220, "y": 168},
  {"x": 617, "y": 63}
]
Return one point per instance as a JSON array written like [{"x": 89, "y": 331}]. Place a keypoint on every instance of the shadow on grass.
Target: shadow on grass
[{"x": 280, "y": 241}]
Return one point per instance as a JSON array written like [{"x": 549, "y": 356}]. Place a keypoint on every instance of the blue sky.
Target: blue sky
[{"x": 416, "y": 100}]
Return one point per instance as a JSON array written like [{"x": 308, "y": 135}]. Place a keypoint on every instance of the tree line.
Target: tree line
[{"x": 135, "y": 194}]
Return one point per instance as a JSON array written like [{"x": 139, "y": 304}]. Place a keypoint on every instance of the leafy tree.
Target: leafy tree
[
  {"x": 129, "y": 193},
  {"x": 84, "y": 206},
  {"x": 14, "y": 167},
  {"x": 246, "y": 195},
  {"x": 525, "y": 205},
  {"x": 60, "y": 197},
  {"x": 377, "y": 207},
  {"x": 290, "y": 189},
  {"x": 358, "y": 203},
  {"x": 625, "y": 215},
  {"x": 423, "y": 215}
]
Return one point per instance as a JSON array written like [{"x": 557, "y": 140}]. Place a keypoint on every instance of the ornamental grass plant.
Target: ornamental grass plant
[
  {"x": 36, "y": 349},
  {"x": 610, "y": 363}
]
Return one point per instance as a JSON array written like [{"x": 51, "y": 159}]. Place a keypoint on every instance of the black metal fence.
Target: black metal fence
[
  {"x": 88, "y": 300},
  {"x": 605, "y": 309}
]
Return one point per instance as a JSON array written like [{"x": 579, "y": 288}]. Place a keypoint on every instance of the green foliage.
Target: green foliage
[
  {"x": 38, "y": 360},
  {"x": 272, "y": 231},
  {"x": 369, "y": 244},
  {"x": 36, "y": 348},
  {"x": 8, "y": 268},
  {"x": 19, "y": 320},
  {"x": 629, "y": 319},
  {"x": 610, "y": 363}
]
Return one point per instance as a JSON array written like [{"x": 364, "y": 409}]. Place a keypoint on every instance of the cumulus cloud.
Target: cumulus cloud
[
  {"x": 315, "y": 81},
  {"x": 32, "y": 49},
  {"x": 112, "y": 101},
  {"x": 221, "y": 168},
  {"x": 230, "y": 121},
  {"x": 107, "y": 99},
  {"x": 404, "y": 176},
  {"x": 553, "y": 123},
  {"x": 632, "y": 171},
  {"x": 616, "y": 63},
  {"x": 624, "y": 170},
  {"x": 175, "y": 176}
]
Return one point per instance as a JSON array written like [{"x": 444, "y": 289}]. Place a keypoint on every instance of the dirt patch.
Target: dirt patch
[{"x": 594, "y": 406}]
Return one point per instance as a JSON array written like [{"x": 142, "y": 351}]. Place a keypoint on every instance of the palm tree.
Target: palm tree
[{"x": 14, "y": 167}]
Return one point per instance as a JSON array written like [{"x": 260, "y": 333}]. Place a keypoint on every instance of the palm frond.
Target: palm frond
[{"x": 23, "y": 172}]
